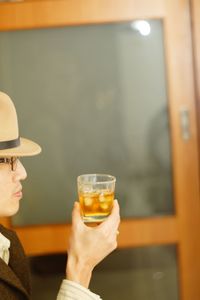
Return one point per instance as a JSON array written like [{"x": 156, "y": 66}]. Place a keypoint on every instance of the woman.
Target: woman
[{"x": 87, "y": 245}]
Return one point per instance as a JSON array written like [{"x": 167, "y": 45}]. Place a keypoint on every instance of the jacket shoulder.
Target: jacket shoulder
[{"x": 18, "y": 261}]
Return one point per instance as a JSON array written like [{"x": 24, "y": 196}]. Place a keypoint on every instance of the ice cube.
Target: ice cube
[
  {"x": 104, "y": 205},
  {"x": 88, "y": 201},
  {"x": 101, "y": 197}
]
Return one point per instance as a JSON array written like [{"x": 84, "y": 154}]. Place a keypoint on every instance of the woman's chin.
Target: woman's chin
[{"x": 12, "y": 210}]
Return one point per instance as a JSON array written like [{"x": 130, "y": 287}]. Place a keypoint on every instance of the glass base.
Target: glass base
[{"x": 94, "y": 219}]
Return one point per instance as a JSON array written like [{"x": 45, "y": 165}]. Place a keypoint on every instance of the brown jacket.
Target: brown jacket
[{"x": 14, "y": 277}]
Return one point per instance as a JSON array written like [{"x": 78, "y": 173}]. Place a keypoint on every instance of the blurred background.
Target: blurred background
[{"x": 109, "y": 88}]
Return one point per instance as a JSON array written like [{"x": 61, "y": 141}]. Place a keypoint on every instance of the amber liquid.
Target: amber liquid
[{"x": 96, "y": 206}]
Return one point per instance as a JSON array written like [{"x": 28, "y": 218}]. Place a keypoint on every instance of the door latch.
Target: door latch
[{"x": 185, "y": 123}]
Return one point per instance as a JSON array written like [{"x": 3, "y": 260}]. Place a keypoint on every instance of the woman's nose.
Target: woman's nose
[{"x": 20, "y": 172}]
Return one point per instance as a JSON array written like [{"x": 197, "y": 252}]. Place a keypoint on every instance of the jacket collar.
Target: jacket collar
[{"x": 8, "y": 276}]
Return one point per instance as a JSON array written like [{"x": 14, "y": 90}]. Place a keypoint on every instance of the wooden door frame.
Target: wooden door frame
[
  {"x": 195, "y": 24},
  {"x": 180, "y": 229}
]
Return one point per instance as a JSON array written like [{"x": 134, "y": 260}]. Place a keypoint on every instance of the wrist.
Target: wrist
[{"x": 78, "y": 271}]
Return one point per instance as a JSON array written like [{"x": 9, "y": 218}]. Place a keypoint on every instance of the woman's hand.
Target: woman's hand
[{"x": 90, "y": 245}]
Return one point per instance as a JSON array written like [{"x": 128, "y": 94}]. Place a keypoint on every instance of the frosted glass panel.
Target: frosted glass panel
[
  {"x": 95, "y": 98},
  {"x": 148, "y": 273}
]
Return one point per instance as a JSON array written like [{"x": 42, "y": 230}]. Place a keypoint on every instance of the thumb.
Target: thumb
[
  {"x": 113, "y": 219},
  {"x": 76, "y": 214}
]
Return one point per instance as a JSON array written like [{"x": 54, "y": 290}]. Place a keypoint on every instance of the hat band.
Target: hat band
[{"x": 10, "y": 144}]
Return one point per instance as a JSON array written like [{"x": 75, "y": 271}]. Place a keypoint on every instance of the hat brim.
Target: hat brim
[{"x": 26, "y": 148}]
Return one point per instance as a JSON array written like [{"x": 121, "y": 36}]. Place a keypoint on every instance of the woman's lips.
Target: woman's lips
[{"x": 18, "y": 194}]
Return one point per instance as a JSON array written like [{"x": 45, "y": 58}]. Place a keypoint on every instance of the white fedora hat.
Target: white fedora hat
[{"x": 11, "y": 144}]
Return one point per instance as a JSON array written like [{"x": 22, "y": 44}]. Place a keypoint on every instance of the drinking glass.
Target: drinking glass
[{"x": 96, "y": 196}]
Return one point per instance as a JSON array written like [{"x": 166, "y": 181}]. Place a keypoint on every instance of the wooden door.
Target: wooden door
[{"x": 180, "y": 228}]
